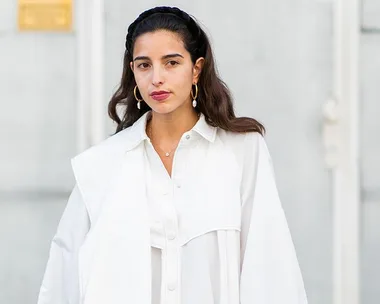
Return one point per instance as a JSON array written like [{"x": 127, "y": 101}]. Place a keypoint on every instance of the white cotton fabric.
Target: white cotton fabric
[{"x": 212, "y": 233}]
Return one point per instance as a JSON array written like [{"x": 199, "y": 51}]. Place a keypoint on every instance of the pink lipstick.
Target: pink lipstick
[{"x": 160, "y": 95}]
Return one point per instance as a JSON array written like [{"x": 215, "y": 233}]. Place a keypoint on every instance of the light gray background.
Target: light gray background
[{"x": 276, "y": 57}]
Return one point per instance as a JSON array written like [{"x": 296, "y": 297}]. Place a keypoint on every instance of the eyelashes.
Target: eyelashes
[
  {"x": 172, "y": 63},
  {"x": 145, "y": 65}
]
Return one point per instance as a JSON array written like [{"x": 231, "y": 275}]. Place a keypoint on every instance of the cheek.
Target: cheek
[
  {"x": 142, "y": 82},
  {"x": 183, "y": 81}
]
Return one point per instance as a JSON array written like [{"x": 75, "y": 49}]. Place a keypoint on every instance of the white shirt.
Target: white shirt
[
  {"x": 195, "y": 271},
  {"x": 217, "y": 232}
]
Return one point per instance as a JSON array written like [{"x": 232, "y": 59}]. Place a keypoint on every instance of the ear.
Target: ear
[
  {"x": 197, "y": 69},
  {"x": 131, "y": 65}
]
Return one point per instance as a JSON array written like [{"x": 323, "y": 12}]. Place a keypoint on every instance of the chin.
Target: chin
[{"x": 163, "y": 108}]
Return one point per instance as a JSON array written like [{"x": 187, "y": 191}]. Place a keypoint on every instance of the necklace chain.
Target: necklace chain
[{"x": 167, "y": 154}]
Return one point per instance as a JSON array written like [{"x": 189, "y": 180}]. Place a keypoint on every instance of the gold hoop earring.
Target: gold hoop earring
[
  {"x": 196, "y": 95},
  {"x": 138, "y": 100}
]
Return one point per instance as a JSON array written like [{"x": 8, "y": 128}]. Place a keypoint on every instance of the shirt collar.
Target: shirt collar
[
  {"x": 204, "y": 129},
  {"x": 201, "y": 127}
]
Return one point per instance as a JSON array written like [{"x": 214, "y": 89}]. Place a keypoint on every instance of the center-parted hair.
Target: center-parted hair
[{"x": 214, "y": 98}]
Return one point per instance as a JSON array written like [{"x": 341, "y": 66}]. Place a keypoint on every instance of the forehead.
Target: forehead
[{"x": 159, "y": 43}]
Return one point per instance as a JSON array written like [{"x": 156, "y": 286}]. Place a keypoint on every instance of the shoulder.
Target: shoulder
[
  {"x": 242, "y": 144},
  {"x": 95, "y": 167},
  {"x": 101, "y": 160},
  {"x": 249, "y": 150},
  {"x": 120, "y": 142},
  {"x": 115, "y": 144}
]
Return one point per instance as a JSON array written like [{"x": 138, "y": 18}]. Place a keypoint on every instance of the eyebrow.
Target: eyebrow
[{"x": 163, "y": 57}]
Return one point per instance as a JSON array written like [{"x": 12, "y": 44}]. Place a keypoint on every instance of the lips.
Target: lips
[{"x": 160, "y": 95}]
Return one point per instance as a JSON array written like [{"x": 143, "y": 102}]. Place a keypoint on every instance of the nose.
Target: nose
[{"x": 157, "y": 76}]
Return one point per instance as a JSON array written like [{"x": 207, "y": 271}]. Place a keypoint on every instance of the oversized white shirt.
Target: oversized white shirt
[{"x": 217, "y": 233}]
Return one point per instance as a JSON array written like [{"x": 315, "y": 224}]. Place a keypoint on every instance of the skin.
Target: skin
[{"x": 161, "y": 63}]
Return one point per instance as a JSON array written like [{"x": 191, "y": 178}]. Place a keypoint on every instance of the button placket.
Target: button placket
[
  {"x": 171, "y": 254},
  {"x": 170, "y": 291},
  {"x": 164, "y": 189},
  {"x": 172, "y": 265},
  {"x": 172, "y": 268}
]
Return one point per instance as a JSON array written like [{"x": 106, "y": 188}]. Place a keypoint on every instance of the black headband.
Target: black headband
[{"x": 190, "y": 22}]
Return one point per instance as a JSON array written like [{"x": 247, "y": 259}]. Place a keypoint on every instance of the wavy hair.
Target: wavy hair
[{"x": 214, "y": 98}]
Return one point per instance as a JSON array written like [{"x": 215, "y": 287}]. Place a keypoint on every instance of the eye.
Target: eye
[
  {"x": 172, "y": 63},
  {"x": 143, "y": 65}
]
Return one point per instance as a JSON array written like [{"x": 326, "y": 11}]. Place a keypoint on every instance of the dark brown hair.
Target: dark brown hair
[{"x": 214, "y": 98}]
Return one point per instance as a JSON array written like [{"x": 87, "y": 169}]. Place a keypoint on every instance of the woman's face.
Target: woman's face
[{"x": 164, "y": 72}]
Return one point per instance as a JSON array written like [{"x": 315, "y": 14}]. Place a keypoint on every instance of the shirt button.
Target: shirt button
[
  {"x": 165, "y": 191},
  {"x": 178, "y": 186},
  {"x": 172, "y": 286},
  {"x": 187, "y": 136},
  {"x": 171, "y": 235}
]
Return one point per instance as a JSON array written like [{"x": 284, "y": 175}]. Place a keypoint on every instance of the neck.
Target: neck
[{"x": 168, "y": 128}]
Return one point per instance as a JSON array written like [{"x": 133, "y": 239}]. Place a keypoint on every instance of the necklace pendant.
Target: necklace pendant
[{"x": 167, "y": 154}]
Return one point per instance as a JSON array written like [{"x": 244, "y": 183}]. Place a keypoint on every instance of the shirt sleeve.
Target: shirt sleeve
[
  {"x": 270, "y": 273},
  {"x": 60, "y": 284}
]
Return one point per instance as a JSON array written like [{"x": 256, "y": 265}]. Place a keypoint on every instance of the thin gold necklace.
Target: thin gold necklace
[{"x": 167, "y": 154}]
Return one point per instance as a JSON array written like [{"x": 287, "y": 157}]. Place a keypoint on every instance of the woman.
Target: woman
[{"x": 180, "y": 205}]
